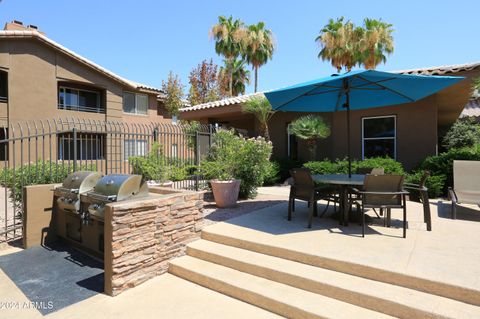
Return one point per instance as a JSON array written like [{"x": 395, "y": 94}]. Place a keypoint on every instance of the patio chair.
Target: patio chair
[
  {"x": 466, "y": 186},
  {"x": 419, "y": 193},
  {"x": 383, "y": 192},
  {"x": 365, "y": 171},
  {"x": 304, "y": 188}
]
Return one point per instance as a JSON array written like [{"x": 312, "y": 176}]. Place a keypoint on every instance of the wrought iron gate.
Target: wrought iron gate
[{"x": 43, "y": 152}]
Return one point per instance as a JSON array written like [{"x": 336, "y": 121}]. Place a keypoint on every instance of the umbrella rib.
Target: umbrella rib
[
  {"x": 295, "y": 98},
  {"x": 386, "y": 88}
]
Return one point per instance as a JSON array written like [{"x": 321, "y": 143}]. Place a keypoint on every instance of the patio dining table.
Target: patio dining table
[{"x": 344, "y": 182}]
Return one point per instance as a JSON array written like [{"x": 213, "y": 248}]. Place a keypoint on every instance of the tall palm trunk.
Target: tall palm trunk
[
  {"x": 267, "y": 134},
  {"x": 230, "y": 82},
  {"x": 256, "y": 77}
]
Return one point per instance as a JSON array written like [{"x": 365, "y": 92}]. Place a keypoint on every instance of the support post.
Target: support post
[{"x": 74, "y": 132}]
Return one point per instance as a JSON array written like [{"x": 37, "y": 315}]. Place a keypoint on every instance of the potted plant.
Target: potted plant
[
  {"x": 236, "y": 166},
  {"x": 220, "y": 168}
]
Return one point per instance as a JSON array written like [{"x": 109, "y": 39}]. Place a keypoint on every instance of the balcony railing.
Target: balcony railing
[{"x": 82, "y": 109}]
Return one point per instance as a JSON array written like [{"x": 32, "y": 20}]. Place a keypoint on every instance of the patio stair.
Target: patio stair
[{"x": 298, "y": 290}]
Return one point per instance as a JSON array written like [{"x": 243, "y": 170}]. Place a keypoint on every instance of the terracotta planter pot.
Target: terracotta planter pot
[{"x": 225, "y": 192}]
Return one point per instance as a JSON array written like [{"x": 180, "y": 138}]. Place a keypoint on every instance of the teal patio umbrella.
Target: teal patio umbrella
[{"x": 357, "y": 90}]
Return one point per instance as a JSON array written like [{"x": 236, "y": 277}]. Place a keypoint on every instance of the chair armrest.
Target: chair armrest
[
  {"x": 451, "y": 195},
  {"x": 416, "y": 187},
  {"x": 384, "y": 193},
  {"x": 355, "y": 190},
  {"x": 411, "y": 185}
]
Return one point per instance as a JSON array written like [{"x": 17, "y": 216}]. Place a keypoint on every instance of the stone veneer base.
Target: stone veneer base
[{"x": 142, "y": 235}]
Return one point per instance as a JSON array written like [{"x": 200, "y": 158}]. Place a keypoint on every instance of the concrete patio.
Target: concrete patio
[{"x": 261, "y": 260}]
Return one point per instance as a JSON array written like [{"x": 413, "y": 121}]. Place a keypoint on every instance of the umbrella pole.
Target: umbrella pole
[
  {"x": 347, "y": 106},
  {"x": 348, "y": 141}
]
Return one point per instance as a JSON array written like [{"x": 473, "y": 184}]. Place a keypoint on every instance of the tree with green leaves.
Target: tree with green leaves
[
  {"x": 346, "y": 45},
  {"x": 310, "y": 128},
  {"x": 377, "y": 41},
  {"x": 237, "y": 76},
  {"x": 261, "y": 108},
  {"x": 258, "y": 47},
  {"x": 476, "y": 84},
  {"x": 173, "y": 90},
  {"x": 340, "y": 44},
  {"x": 227, "y": 34}
]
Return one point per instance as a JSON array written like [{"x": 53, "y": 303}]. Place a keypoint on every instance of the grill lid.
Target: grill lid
[
  {"x": 117, "y": 187},
  {"x": 79, "y": 182}
]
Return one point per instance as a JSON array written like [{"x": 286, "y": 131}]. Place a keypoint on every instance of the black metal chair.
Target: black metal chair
[
  {"x": 383, "y": 192},
  {"x": 304, "y": 188},
  {"x": 419, "y": 193}
]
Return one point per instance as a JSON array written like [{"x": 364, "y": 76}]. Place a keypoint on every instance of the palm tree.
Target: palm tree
[
  {"x": 239, "y": 76},
  {"x": 346, "y": 45},
  {"x": 340, "y": 44},
  {"x": 310, "y": 128},
  {"x": 258, "y": 47},
  {"x": 227, "y": 34},
  {"x": 261, "y": 108},
  {"x": 378, "y": 40}
]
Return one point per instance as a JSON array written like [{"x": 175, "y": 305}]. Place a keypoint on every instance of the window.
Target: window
[
  {"x": 379, "y": 137},
  {"x": 135, "y": 103},
  {"x": 3, "y": 86},
  {"x": 134, "y": 148},
  {"x": 79, "y": 100},
  {"x": 4, "y": 145},
  {"x": 292, "y": 144},
  {"x": 89, "y": 146}
]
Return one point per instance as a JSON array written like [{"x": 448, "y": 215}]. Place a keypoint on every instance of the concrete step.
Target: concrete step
[
  {"x": 264, "y": 245},
  {"x": 390, "y": 299},
  {"x": 278, "y": 298}
]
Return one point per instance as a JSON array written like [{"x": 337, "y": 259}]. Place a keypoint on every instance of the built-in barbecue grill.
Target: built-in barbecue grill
[
  {"x": 113, "y": 188},
  {"x": 68, "y": 195},
  {"x": 81, "y": 204}
]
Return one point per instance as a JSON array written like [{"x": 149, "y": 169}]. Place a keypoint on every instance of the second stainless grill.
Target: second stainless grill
[{"x": 112, "y": 188}]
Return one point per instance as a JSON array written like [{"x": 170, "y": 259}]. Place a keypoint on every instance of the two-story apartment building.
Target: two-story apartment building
[{"x": 41, "y": 79}]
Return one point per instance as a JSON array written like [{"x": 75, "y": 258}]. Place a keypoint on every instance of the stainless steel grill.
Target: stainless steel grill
[
  {"x": 82, "y": 197},
  {"x": 112, "y": 188},
  {"x": 68, "y": 195}
]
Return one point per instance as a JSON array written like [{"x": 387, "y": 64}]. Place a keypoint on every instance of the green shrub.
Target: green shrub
[
  {"x": 273, "y": 174},
  {"x": 322, "y": 167},
  {"x": 151, "y": 167},
  {"x": 40, "y": 172},
  {"x": 442, "y": 165},
  {"x": 465, "y": 132},
  {"x": 434, "y": 183},
  {"x": 390, "y": 166},
  {"x": 341, "y": 166},
  {"x": 232, "y": 156},
  {"x": 179, "y": 173}
]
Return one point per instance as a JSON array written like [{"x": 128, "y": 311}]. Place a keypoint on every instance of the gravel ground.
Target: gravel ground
[{"x": 212, "y": 214}]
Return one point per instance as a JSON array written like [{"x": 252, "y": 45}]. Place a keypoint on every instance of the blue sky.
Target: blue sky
[{"x": 143, "y": 40}]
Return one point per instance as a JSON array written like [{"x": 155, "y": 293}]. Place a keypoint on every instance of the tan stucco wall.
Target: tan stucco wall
[
  {"x": 416, "y": 130},
  {"x": 34, "y": 71}
]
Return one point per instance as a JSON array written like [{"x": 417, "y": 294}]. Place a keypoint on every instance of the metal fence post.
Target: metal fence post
[
  {"x": 74, "y": 132},
  {"x": 197, "y": 158}
]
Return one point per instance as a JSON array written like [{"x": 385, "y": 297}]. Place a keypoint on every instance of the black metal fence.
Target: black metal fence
[{"x": 43, "y": 152}]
